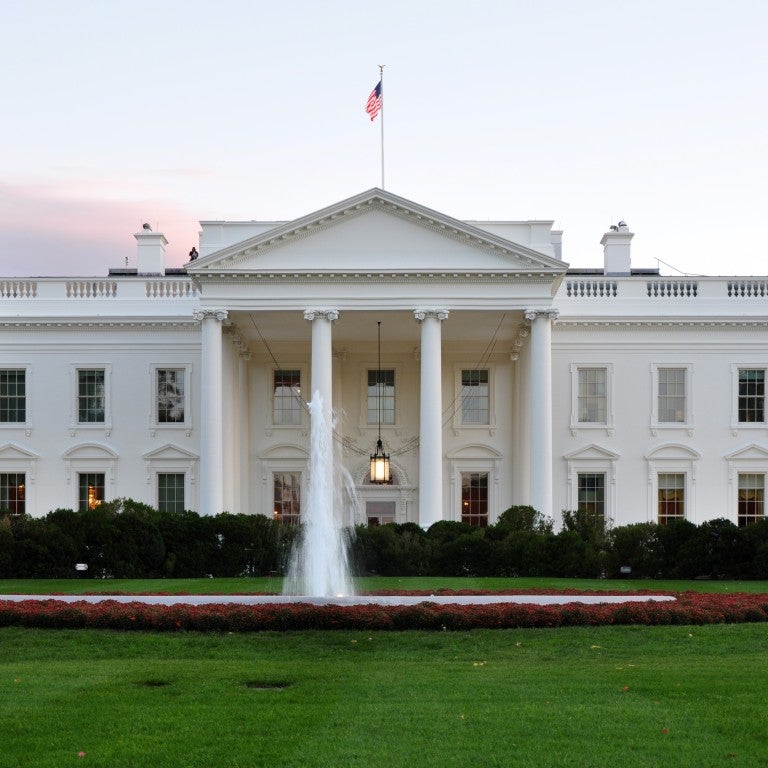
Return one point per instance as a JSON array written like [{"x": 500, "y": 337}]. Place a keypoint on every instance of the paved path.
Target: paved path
[{"x": 348, "y": 600}]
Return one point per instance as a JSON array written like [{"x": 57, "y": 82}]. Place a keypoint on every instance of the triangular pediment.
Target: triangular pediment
[
  {"x": 170, "y": 452},
  {"x": 13, "y": 452},
  {"x": 373, "y": 233},
  {"x": 592, "y": 452},
  {"x": 752, "y": 452}
]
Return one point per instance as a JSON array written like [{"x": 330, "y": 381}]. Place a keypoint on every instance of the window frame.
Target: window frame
[
  {"x": 20, "y": 504},
  {"x": 165, "y": 473},
  {"x": 379, "y": 397},
  {"x": 25, "y": 423},
  {"x": 74, "y": 420},
  {"x": 672, "y": 459},
  {"x": 187, "y": 422},
  {"x": 277, "y": 516},
  {"x": 81, "y": 475},
  {"x": 736, "y": 369},
  {"x": 761, "y": 502},
  {"x": 271, "y": 371},
  {"x": 608, "y": 424},
  {"x": 458, "y": 415},
  {"x": 466, "y": 502},
  {"x": 592, "y": 460},
  {"x": 603, "y": 514},
  {"x": 687, "y": 422},
  {"x": 363, "y": 378}
]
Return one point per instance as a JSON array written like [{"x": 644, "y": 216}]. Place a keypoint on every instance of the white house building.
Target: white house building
[{"x": 503, "y": 377}]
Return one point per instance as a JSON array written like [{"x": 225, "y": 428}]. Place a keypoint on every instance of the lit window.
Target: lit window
[
  {"x": 591, "y": 495},
  {"x": 90, "y": 490},
  {"x": 381, "y": 397},
  {"x": 380, "y": 512},
  {"x": 170, "y": 395},
  {"x": 287, "y": 506},
  {"x": 12, "y": 487},
  {"x": 671, "y": 497},
  {"x": 671, "y": 403},
  {"x": 751, "y": 401},
  {"x": 593, "y": 395},
  {"x": 474, "y": 498},
  {"x": 287, "y": 405},
  {"x": 751, "y": 498},
  {"x": 170, "y": 491},
  {"x": 474, "y": 397},
  {"x": 90, "y": 396},
  {"x": 13, "y": 400}
]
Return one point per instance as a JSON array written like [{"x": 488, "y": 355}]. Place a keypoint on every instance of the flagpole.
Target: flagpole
[{"x": 381, "y": 80}]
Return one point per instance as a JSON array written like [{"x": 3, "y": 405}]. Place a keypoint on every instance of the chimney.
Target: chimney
[
  {"x": 150, "y": 251},
  {"x": 615, "y": 242}
]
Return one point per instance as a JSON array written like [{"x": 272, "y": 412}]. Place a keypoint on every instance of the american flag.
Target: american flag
[{"x": 373, "y": 106}]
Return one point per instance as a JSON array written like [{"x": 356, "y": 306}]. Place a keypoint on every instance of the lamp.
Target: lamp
[{"x": 379, "y": 460}]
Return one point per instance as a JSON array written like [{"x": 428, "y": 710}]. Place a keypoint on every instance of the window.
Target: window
[
  {"x": 287, "y": 508},
  {"x": 90, "y": 396},
  {"x": 287, "y": 405},
  {"x": 13, "y": 400},
  {"x": 591, "y": 495},
  {"x": 751, "y": 498},
  {"x": 671, "y": 394},
  {"x": 170, "y": 395},
  {"x": 381, "y": 397},
  {"x": 380, "y": 512},
  {"x": 170, "y": 491},
  {"x": 474, "y": 396},
  {"x": 12, "y": 486},
  {"x": 751, "y": 398},
  {"x": 90, "y": 490},
  {"x": 592, "y": 396},
  {"x": 474, "y": 498},
  {"x": 671, "y": 497}
]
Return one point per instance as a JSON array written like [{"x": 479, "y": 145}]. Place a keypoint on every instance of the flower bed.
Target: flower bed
[{"x": 689, "y": 608}]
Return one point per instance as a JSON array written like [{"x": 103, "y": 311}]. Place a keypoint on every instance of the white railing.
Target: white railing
[
  {"x": 171, "y": 289},
  {"x": 91, "y": 289},
  {"x": 594, "y": 288},
  {"x": 749, "y": 288},
  {"x": 673, "y": 288},
  {"x": 18, "y": 289}
]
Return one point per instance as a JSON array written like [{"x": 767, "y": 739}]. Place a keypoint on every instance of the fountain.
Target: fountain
[{"x": 319, "y": 564}]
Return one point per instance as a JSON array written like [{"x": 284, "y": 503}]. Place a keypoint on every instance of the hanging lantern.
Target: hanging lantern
[{"x": 379, "y": 460}]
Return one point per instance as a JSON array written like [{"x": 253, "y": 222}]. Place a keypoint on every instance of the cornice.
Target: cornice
[
  {"x": 662, "y": 324},
  {"x": 302, "y": 278},
  {"x": 97, "y": 323}
]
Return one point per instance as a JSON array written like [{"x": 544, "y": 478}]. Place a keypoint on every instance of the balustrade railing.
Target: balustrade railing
[{"x": 18, "y": 289}]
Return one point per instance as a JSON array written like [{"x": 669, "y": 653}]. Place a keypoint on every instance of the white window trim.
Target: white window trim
[
  {"x": 752, "y": 459},
  {"x": 76, "y": 426},
  {"x": 458, "y": 424},
  {"x": 19, "y": 461},
  {"x": 90, "y": 458},
  {"x": 171, "y": 459},
  {"x": 156, "y": 485},
  {"x": 303, "y": 386},
  {"x": 576, "y": 425},
  {"x": 463, "y": 465},
  {"x": 687, "y": 423},
  {"x": 580, "y": 463},
  {"x": 187, "y": 424},
  {"x": 364, "y": 368},
  {"x": 735, "y": 423},
  {"x": 26, "y": 425},
  {"x": 672, "y": 459}
]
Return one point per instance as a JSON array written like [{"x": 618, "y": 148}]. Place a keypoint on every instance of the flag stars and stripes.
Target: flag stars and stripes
[{"x": 373, "y": 106}]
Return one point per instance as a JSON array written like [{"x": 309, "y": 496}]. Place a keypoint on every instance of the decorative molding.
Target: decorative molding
[
  {"x": 547, "y": 313},
  {"x": 211, "y": 314},
  {"x": 321, "y": 314},
  {"x": 423, "y": 314}
]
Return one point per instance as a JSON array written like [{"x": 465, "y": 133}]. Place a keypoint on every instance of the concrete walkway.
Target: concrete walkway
[{"x": 348, "y": 600}]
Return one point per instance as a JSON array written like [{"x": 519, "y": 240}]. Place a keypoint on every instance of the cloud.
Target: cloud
[{"x": 48, "y": 231}]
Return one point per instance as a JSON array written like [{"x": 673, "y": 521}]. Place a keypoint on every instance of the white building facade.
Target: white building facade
[{"x": 503, "y": 377}]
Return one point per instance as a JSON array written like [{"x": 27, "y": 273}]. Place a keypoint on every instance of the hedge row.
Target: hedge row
[
  {"x": 689, "y": 608},
  {"x": 126, "y": 539}
]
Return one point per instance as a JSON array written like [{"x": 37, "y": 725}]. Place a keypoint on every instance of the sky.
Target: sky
[{"x": 585, "y": 112}]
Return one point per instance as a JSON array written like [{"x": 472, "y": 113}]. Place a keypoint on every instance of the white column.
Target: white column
[
  {"x": 244, "y": 427},
  {"x": 211, "y": 412},
  {"x": 322, "y": 355},
  {"x": 540, "y": 399},
  {"x": 430, "y": 417}
]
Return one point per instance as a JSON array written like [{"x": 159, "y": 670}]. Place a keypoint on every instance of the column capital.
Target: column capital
[
  {"x": 210, "y": 314},
  {"x": 535, "y": 314},
  {"x": 326, "y": 314},
  {"x": 423, "y": 314}
]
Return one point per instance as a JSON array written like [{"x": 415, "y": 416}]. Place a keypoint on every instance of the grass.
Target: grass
[
  {"x": 634, "y": 697},
  {"x": 274, "y": 584}
]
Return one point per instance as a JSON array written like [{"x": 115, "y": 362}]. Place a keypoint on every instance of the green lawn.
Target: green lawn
[
  {"x": 273, "y": 585},
  {"x": 631, "y": 697}
]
